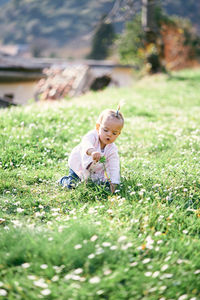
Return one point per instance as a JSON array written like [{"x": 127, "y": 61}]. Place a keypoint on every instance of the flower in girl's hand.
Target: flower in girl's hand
[{"x": 102, "y": 159}]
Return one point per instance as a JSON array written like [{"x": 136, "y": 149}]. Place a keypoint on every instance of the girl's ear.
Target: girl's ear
[{"x": 97, "y": 126}]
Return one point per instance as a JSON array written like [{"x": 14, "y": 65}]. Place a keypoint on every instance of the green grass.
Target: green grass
[{"x": 140, "y": 243}]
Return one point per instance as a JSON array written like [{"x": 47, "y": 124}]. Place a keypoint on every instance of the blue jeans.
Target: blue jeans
[{"x": 70, "y": 180}]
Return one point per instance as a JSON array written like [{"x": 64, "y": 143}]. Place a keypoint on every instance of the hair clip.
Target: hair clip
[
  {"x": 117, "y": 111},
  {"x": 121, "y": 103}
]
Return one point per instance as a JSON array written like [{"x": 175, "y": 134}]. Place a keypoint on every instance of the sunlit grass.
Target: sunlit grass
[{"x": 140, "y": 243}]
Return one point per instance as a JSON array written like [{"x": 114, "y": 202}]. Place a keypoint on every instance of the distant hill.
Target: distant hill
[
  {"x": 3, "y": 2},
  {"x": 59, "y": 22},
  {"x": 23, "y": 21}
]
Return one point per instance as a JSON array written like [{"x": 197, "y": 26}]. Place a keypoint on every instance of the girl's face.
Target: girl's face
[{"x": 109, "y": 130}]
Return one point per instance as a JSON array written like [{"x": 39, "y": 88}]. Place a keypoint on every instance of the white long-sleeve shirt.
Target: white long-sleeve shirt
[{"x": 79, "y": 160}]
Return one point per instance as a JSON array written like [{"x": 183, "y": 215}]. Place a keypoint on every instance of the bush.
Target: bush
[
  {"x": 102, "y": 40},
  {"x": 131, "y": 42}
]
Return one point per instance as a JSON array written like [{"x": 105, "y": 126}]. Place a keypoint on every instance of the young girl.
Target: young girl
[{"x": 84, "y": 160}]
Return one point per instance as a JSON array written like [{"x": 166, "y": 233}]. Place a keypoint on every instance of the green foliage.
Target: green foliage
[
  {"x": 102, "y": 41},
  {"x": 131, "y": 42},
  {"x": 102, "y": 159},
  {"x": 140, "y": 243},
  {"x": 134, "y": 47}
]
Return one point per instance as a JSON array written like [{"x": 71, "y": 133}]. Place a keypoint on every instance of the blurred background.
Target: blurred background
[
  {"x": 98, "y": 29},
  {"x": 148, "y": 35}
]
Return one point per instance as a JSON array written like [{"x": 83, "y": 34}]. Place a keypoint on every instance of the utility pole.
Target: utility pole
[
  {"x": 148, "y": 20},
  {"x": 152, "y": 35}
]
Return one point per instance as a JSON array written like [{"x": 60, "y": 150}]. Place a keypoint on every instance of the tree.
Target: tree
[
  {"x": 149, "y": 23},
  {"x": 159, "y": 41},
  {"x": 142, "y": 34},
  {"x": 102, "y": 40},
  {"x": 151, "y": 16},
  {"x": 131, "y": 43}
]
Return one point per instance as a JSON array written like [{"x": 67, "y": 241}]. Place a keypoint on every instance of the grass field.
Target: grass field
[{"x": 140, "y": 243}]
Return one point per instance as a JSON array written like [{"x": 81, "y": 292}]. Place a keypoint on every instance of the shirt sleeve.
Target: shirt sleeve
[
  {"x": 88, "y": 141},
  {"x": 113, "y": 167}
]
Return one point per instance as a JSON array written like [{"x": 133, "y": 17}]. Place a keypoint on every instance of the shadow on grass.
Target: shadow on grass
[
  {"x": 192, "y": 78},
  {"x": 90, "y": 192}
]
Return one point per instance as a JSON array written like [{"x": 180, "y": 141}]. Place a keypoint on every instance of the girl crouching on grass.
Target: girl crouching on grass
[{"x": 96, "y": 157}]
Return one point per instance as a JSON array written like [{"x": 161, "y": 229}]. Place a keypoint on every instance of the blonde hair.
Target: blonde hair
[{"x": 110, "y": 113}]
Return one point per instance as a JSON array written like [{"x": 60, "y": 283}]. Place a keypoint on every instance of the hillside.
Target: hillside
[
  {"x": 142, "y": 243},
  {"x": 56, "y": 24},
  {"x": 60, "y": 21}
]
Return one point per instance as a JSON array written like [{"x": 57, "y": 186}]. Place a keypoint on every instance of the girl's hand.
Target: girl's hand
[{"x": 96, "y": 156}]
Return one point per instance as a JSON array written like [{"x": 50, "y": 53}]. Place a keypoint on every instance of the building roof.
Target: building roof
[
  {"x": 20, "y": 69},
  {"x": 15, "y": 68}
]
